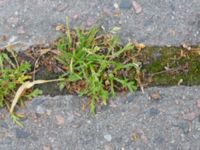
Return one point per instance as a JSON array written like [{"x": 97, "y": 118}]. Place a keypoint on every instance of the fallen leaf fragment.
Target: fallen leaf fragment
[
  {"x": 139, "y": 46},
  {"x": 24, "y": 87},
  {"x": 180, "y": 81},
  {"x": 196, "y": 50},
  {"x": 60, "y": 27},
  {"x": 185, "y": 46},
  {"x": 137, "y": 7},
  {"x": 115, "y": 30}
]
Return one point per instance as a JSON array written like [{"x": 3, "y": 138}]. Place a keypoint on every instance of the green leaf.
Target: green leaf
[{"x": 73, "y": 77}]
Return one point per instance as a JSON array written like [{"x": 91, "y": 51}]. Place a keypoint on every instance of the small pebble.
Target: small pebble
[
  {"x": 189, "y": 116},
  {"x": 75, "y": 17},
  {"x": 116, "y": 5},
  {"x": 12, "y": 39},
  {"x": 16, "y": 13},
  {"x": 60, "y": 120},
  {"x": 108, "y": 137},
  {"x": 137, "y": 7},
  {"x": 40, "y": 110}
]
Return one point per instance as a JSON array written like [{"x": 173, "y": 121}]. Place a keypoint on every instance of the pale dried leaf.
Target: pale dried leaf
[{"x": 24, "y": 87}]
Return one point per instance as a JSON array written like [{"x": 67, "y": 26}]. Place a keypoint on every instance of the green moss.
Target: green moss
[{"x": 156, "y": 61}]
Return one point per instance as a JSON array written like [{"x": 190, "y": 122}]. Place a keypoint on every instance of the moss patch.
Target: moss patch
[{"x": 171, "y": 65}]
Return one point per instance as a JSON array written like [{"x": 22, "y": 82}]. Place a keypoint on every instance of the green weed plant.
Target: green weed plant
[{"x": 97, "y": 65}]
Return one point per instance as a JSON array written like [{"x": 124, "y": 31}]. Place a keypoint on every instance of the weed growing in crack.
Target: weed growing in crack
[
  {"x": 96, "y": 65},
  {"x": 12, "y": 75}
]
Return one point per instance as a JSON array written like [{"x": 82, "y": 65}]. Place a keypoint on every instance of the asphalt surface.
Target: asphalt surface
[
  {"x": 162, "y": 118},
  {"x": 134, "y": 121},
  {"x": 160, "y": 22}
]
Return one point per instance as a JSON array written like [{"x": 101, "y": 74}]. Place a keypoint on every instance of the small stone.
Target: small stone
[
  {"x": 40, "y": 110},
  {"x": 155, "y": 96},
  {"x": 189, "y": 116},
  {"x": 46, "y": 148},
  {"x": 75, "y": 17},
  {"x": 198, "y": 103},
  {"x": 88, "y": 122},
  {"x": 20, "y": 133},
  {"x": 108, "y": 137},
  {"x": 137, "y": 7},
  {"x": 48, "y": 112},
  {"x": 12, "y": 39},
  {"x": 125, "y": 4},
  {"x": 60, "y": 120},
  {"x": 172, "y": 141},
  {"x": 16, "y": 13},
  {"x": 116, "y": 5},
  {"x": 154, "y": 111}
]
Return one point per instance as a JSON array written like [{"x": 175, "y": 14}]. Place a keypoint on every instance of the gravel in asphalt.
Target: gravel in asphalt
[{"x": 131, "y": 121}]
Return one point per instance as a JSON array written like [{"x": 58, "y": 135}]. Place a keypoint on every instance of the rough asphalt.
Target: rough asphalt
[
  {"x": 161, "y": 22},
  {"x": 162, "y": 118},
  {"x": 136, "y": 121}
]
